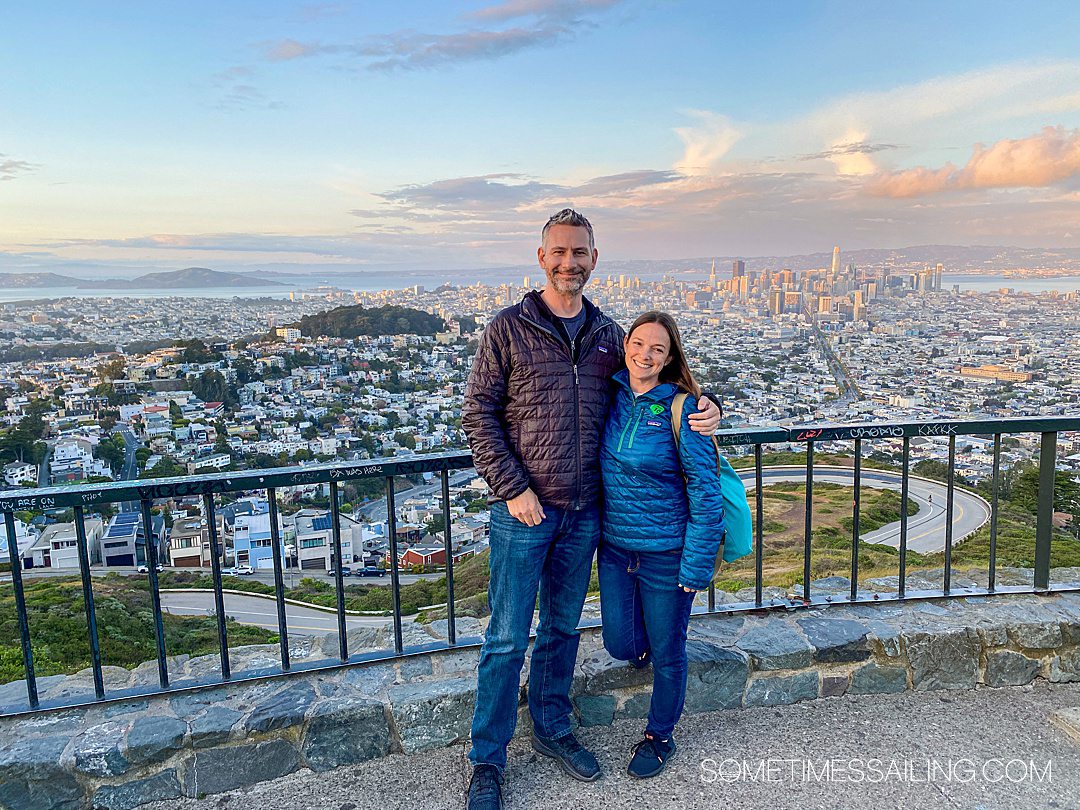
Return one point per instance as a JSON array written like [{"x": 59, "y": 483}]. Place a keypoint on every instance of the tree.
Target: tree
[
  {"x": 174, "y": 410},
  {"x": 405, "y": 439},
  {"x": 245, "y": 371},
  {"x": 437, "y": 525},
  {"x": 211, "y": 386},
  {"x": 1025, "y": 493}
]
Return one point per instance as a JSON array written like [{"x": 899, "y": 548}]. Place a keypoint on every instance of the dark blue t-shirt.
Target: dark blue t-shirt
[{"x": 573, "y": 325}]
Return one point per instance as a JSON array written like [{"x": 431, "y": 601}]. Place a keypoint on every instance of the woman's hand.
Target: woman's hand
[{"x": 688, "y": 590}]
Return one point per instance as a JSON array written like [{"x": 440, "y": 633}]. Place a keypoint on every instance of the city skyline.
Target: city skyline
[{"x": 347, "y": 137}]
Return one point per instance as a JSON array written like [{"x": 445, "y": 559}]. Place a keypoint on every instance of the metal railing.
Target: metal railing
[{"x": 146, "y": 492}]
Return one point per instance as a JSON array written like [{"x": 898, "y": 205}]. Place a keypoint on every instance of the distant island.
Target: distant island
[
  {"x": 188, "y": 278},
  {"x": 355, "y": 321}
]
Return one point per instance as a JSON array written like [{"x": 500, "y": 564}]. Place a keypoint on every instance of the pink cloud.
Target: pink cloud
[{"x": 1041, "y": 160}]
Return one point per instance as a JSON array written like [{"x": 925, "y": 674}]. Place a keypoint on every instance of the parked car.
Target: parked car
[
  {"x": 345, "y": 571},
  {"x": 370, "y": 571},
  {"x": 239, "y": 571},
  {"x": 143, "y": 569}
]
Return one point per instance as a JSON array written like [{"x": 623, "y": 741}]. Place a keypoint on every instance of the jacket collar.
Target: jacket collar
[
  {"x": 657, "y": 393},
  {"x": 533, "y": 306}
]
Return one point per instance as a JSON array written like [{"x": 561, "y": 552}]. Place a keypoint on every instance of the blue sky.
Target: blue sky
[{"x": 420, "y": 134}]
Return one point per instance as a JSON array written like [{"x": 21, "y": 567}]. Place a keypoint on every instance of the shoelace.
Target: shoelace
[
  {"x": 570, "y": 744},
  {"x": 486, "y": 783},
  {"x": 651, "y": 743}
]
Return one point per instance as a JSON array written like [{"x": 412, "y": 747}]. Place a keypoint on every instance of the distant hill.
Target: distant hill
[
  {"x": 188, "y": 278},
  {"x": 354, "y": 321},
  {"x": 201, "y": 277}
]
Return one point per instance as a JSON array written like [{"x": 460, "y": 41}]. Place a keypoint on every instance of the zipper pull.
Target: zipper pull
[{"x": 575, "y": 374}]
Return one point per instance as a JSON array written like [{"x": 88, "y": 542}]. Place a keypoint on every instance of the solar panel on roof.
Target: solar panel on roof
[{"x": 321, "y": 523}]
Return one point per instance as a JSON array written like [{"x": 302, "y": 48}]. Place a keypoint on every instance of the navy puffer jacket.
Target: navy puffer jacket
[
  {"x": 535, "y": 406},
  {"x": 659, "y": 496}
]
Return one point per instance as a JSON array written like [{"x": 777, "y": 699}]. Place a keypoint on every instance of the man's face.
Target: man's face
[{"x": 567, "y": 259}]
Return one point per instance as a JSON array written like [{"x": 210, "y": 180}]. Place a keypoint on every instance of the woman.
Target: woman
[{"x": 663, "y": 524}]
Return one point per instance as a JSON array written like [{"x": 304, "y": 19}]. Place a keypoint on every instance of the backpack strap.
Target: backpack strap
[
  {"x": 676, "y": 414},
  {"x": 676, "y": 424}
]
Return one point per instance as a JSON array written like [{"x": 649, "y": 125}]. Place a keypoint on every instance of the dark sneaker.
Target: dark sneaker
[
  {"x": 572, "y": 755},
  {"x": 651, "y": 755},
  {"x": 485, "y": 788},
  {"x": 643, "y": 661}
]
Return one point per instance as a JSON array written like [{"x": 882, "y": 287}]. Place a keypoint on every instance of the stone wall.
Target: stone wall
[{"x": 122, "y": 754}]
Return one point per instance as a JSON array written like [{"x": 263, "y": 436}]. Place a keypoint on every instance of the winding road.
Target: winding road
[
  {"x": 262, "y": 612},
  {"x": 926, "y": 528}
]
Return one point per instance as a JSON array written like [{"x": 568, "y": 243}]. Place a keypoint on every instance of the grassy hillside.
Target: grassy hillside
[{"x": 125, "y": 627}]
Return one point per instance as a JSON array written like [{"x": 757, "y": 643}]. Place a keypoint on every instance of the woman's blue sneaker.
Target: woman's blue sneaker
[{"x": 651, "y": 756}]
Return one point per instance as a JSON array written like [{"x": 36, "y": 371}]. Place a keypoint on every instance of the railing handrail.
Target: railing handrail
[
  {"x": 238, "y": 481},
  {"x": 297, "y": 475}
]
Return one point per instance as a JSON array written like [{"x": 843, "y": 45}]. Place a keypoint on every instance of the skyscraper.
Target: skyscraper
[
  {"x": 836, "y": 260},
  {"x": 712, "y": 275},
  {"x": 937, "y": 276},
  {"x": 738, "y": 268}
]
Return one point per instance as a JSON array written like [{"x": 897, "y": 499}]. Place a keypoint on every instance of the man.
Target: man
[{"x": 534, "y": 411}]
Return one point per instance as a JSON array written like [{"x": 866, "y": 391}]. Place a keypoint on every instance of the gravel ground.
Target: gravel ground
[{"x": 971, "y": 736}]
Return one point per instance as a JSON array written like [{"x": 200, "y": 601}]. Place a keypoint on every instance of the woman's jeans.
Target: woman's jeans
[
  {"x": 554, "y": 559},
  {"x": 645, "y": 611}
]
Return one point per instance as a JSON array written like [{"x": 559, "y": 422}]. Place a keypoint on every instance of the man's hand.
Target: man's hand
[
  {"x": 707, "y": 419},
  {"x": 526, "y": 507}
]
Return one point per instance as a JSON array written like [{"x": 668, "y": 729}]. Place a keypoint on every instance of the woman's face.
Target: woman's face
[{"x": 648, "y": 350}]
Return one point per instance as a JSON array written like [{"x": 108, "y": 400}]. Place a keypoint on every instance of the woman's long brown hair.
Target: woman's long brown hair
[{"x": 678, "y": 370}]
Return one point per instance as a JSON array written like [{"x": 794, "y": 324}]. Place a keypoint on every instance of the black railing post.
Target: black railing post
[
  {"x": 391, "y": 528},
  {"x": 994, "y": 486},
  {"x": 339, "y": 577},
  {"x": 1044, "y": 524},
  {"x": 760, "y": 525},
  {"x": 808, "y": 525},
  {"x": 855, "y": 521},
  {"x": 215, "y": 575},
  {"x": 904, "y": 487},
  {"x": 950, "y": 491},
  {"x": 279, "y": 584},
  {"x": 20, "y": 610},
  {"x": 88, "y": 601},
  {"x": 451, "y": 619},
  {"x": 155, "y": 594}
]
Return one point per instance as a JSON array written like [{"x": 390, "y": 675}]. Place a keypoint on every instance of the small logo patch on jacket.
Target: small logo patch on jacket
[
  {"x": 656, "y": 409},
  {"x": 652, "y": 423},
  {"x": 601, "y": 348}
]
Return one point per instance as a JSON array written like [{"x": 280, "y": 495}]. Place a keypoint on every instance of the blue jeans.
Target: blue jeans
[
  {"x": 554, "y": 559},
  {"x": 645, "y": 610}
]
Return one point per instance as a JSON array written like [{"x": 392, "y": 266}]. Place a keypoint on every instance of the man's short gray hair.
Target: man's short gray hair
[{"x": 568, "y": 216}]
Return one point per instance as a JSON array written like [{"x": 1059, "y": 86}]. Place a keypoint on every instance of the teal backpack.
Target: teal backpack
[{"x": 739, "y": 525}]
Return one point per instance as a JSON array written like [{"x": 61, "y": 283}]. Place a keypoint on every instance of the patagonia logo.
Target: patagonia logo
[
  {"x": 652, "y": 423},
  {"x": 656, "y": 409},
  {"x": 602, "y": 349}
]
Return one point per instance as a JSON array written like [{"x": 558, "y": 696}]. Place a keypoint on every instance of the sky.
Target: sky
[{"x": 371, "y": 135}]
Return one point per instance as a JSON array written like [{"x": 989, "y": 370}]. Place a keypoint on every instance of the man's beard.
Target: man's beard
[{"x": 569, "y": 284}]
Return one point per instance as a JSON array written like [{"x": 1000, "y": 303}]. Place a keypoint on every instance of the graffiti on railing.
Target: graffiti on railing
[
  {"x": 888, "y": 431},
  {"x": 938, "y": 429},
  {"x": 807, "y": 435},
  {"x": 355, "y": 471}
]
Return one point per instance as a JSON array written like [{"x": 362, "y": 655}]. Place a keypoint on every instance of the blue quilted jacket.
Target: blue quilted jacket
[{"x": 659, "y": 496}]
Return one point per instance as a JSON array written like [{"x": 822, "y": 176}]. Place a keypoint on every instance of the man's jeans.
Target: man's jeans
[
  {"x": 556, "y": 559},
  {"x": 645, "y": 610}
]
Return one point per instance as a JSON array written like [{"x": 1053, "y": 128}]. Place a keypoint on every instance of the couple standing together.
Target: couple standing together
[{"x": 564, "y": 411}]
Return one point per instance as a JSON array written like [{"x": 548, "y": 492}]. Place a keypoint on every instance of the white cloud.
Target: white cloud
[{"x": 706, "y": 143}]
